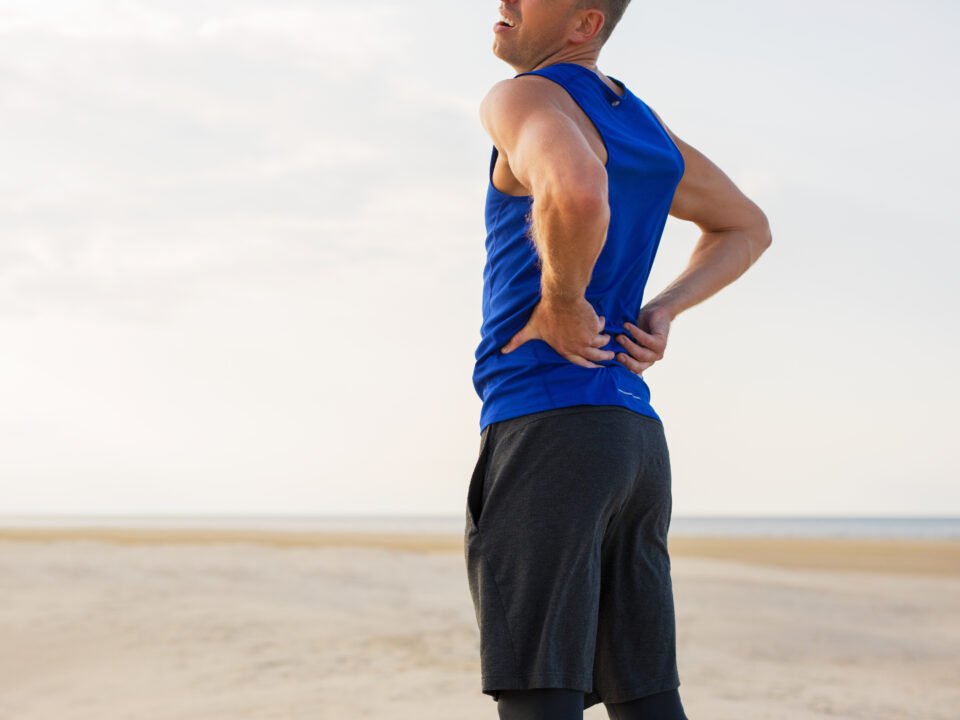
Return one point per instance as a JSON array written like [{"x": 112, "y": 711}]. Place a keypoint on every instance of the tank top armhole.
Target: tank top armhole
[
  {"x": 497, "y": 191},
  {"x": 653, "y": 116}
]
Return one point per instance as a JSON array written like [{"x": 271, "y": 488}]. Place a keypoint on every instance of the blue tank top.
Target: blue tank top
[{"x": 644, "y": 168}]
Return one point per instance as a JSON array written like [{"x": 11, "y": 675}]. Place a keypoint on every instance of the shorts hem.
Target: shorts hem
[
  {"x": 670, "y": 682},
  {"x": 492, "y": 684}
]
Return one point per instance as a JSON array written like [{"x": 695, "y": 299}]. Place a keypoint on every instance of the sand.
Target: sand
[{"x": 189, "y": 624}]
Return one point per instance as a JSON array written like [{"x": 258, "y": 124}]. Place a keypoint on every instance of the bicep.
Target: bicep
[
  {"x": 544, "y": 147},
  {"x": 708, "y": 197}
]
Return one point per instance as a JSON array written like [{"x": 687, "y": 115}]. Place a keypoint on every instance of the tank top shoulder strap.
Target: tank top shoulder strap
[{"x": 583, "y": 85}]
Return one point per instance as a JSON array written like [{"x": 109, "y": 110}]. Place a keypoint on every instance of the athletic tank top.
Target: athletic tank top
[{"x": 644, "y": 168}]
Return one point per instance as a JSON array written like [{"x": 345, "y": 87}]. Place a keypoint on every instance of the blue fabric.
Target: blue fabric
[{"x": 644, "y": 168}]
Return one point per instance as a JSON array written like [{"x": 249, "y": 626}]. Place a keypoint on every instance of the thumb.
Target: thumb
[{"x": 516, "y": 341}]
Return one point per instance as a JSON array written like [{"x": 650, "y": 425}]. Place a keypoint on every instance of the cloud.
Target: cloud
[{"x": 351, "y": 34}]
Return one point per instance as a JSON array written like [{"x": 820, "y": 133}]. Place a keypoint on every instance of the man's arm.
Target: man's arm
[
  {"x": 735, "y": 231},
  {"x": 550, "y": 156}
]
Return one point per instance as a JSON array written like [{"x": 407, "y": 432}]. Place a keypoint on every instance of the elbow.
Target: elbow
[
  {"x": 755, "y": 235},
  {"x": 767, "y": 233},
  {"x": 591, "y": 202},
  {"x": 761, "y": 233}
]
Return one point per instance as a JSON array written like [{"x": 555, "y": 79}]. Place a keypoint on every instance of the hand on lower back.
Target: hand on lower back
[
  {"x": 647, "y": 340},
  {"x": 571, "y": 327}
]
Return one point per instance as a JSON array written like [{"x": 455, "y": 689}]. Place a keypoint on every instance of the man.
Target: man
[{"x": 570, "y": 501}]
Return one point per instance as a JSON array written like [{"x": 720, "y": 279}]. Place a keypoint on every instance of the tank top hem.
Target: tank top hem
[{"x": 509, "y": 411}]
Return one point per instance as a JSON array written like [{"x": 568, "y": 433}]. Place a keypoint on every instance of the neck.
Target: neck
[{"x": 579, "y": 54}]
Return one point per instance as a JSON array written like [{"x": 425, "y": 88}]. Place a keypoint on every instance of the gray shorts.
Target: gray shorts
[{"x": 566, "y": 553}]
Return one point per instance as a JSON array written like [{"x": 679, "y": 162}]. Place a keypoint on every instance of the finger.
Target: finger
[
  {"x": 629, "y": 362},
  {"x": 516, "y": 340},
  {"x": 638, "y": 351},
  {"x": 654, "y": 342},
  {"x": 633, "y": 365},
  {"x": 597, "y": 354},
  {"x": 527, "y": 332},
  {"x": 577, "y": 360},
  {"x": 600, "y": 321},
  {"x": 600, "y": 340},
  {"x": 641, "y": 334}
]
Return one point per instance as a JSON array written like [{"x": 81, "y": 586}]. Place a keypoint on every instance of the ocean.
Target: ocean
[{"x": 748, "y": 526}]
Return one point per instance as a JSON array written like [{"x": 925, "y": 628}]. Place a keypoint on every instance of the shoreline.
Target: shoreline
[{"x": 884, "y": 555}]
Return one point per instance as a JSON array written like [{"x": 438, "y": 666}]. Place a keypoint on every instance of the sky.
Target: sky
[{"x": 241, "y": 252}]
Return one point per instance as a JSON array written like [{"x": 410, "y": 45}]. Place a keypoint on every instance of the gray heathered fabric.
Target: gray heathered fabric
[{"x": 565, "y": 544}]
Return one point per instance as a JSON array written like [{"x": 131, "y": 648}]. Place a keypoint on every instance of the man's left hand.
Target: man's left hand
[{"x": 649, "y": 339}]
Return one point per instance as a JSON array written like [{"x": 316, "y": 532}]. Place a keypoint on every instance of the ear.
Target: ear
[{"x": 590, "y": 24}]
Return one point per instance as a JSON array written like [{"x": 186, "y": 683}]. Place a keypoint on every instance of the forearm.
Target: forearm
[
  {"x": 568, "y": 234},
  {"x": 718, "y": 259}
]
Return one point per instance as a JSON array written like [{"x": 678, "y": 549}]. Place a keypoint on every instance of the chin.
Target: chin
[
  {"x": 501, "y": 57},
  {"x": 499, "y": 53}
]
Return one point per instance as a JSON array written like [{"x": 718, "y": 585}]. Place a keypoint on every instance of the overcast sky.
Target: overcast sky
[{"x": 241, "y": 252}]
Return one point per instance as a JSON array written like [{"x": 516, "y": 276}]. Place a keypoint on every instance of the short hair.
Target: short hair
[{"x": 612, "y": 12}]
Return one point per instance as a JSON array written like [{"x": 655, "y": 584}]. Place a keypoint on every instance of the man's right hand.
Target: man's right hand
[{"x": 570, "y": 326}]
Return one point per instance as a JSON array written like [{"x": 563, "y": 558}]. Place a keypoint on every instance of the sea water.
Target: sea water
[{"x": 749, "y": 526}]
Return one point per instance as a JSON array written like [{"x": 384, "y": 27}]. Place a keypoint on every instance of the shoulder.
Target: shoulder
[
  {"x": 517, "y": 88},
  {"x": 512, "y": 99}
]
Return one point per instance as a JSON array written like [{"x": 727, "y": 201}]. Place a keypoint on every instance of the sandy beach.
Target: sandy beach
[{"x": 208, "y": 624}]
